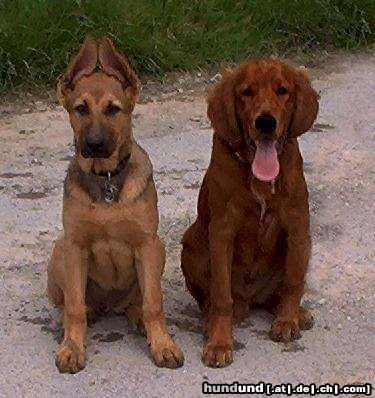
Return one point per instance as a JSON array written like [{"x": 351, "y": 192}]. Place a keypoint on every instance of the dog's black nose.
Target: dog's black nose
[
  {"x": 265, "y": 124},
  {"x": 95, "y": 143},
  {"x": 95, "y": 146}
]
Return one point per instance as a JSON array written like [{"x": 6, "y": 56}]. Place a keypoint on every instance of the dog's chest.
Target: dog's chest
[
  {"x": 96, "y": 221},
  {"x": 112, "y": 265},
  {"x": 261, "y": 229},
  {"x": 254, "y": 269},
  {"x": 259, "y": 232}
]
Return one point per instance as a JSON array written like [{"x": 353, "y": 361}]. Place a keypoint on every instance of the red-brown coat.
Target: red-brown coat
[{"x": 250, "y": 244}]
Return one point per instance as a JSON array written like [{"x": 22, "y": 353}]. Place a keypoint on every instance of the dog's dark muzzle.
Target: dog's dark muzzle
[
  {"x": 96, "y": 147},
  {"x": 97, "y": 144}
]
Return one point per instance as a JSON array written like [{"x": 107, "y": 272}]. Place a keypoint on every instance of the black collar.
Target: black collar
[
  {"x": 100, "y": 187},
  {"x": 236, "y": 148},
  {"x": 120, "y": 167}
]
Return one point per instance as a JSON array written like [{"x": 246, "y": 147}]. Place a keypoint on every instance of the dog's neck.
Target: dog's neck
[
  {"x": 113, "y": 173},
  {"x": 244, "y": 151},
  {"x": 103, "y": 186}
]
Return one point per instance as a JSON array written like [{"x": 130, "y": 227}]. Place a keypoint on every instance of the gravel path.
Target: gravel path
[{"x": 340, "y": 169}]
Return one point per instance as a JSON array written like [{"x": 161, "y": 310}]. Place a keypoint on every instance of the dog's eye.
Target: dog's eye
[
  {"x": 112, "y": 110},
  {"x": 248, "y": 92},
  {"x": 82, "y": 109},
  {"x": 281, "y": 90}
]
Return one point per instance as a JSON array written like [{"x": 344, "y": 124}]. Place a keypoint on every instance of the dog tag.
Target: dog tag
[{"x": 109, "y": 194}]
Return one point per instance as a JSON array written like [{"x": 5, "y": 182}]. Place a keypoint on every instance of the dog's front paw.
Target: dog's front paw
[
  {"x": 70, "y": 359},
  {"x": 217, "y": 355},
  {"x": 284, "y": 330},
  {"x": 167, "y": 354}
]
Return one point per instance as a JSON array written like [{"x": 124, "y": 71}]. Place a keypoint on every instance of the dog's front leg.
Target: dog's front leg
[
  {"x": 290, "y": 317},
  {"x": 150, "y": 267},
  {"x": 71, "y": 356},
  {"x": 218, "y": 350}
]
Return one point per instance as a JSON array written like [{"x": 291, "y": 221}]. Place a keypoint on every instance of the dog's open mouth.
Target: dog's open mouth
[{"x": 265, "y": 166}]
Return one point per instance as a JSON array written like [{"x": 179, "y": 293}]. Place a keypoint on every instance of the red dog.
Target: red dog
[{"x": 250, "y": 244}]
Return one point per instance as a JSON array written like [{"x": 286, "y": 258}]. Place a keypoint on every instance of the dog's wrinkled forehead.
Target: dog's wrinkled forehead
[{"x": 97, "y": 87}]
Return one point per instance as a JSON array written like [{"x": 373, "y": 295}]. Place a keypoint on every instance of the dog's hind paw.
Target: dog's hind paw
[
  {"x": 305, "y": 319},
  {"x": 284, "y": 331}
]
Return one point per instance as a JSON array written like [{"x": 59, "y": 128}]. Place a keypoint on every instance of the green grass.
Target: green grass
[{"x": 37, "y": 37}]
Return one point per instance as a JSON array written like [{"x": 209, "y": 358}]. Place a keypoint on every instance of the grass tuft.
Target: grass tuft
[{"x": 37, "y": 37}]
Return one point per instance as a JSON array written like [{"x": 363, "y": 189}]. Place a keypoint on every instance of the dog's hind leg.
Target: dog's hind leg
[
  {"x": 195, "y": 265},
  {"x": 131, "y": 306},
  {"x": 134, "y": 311},
  {"x": 55, "y": 274},
  {"x": 56, "y": 279},
  {"x": 305, "y": 318}
]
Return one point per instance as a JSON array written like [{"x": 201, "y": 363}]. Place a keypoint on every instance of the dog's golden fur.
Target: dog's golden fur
[
  {"x": 109, "y": 254},
  {"x": 250, "y": 244}
]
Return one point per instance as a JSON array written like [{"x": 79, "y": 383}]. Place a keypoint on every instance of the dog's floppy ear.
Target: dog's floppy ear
[
  {"x": 222, "y": 112},
  {"x": 81, "y": 65},
  {"x": 114, "y": 64},
  {"x": 306, "y": 106}
]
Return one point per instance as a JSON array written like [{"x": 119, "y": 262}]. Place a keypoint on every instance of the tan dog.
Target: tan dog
[{"x": 110, "y": 254}]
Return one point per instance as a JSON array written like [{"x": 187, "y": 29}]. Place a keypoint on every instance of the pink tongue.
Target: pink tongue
[{"x": 265, "y": 165}]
